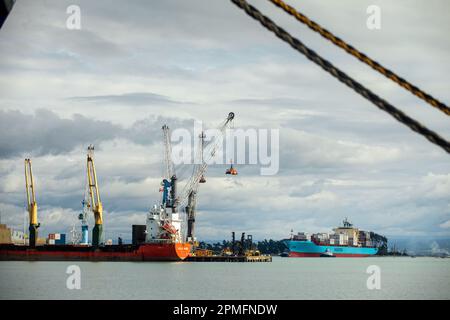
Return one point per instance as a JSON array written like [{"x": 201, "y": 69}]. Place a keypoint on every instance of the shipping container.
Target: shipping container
[
  {"x": 302, "y": 236},
  {"x": 62, "y": 239},
  {"x": 353, "y": 241}
]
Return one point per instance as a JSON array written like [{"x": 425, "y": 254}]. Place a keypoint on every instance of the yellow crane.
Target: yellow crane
[
  {"x": 94, "y": 198},
  {"x": 31, "y": 204}
]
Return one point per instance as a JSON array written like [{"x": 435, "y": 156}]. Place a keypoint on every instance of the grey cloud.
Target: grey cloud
[
  {"x": 284, "y": 102},
  {"x": 316, "y": 187},
  {"x": 46, "y": 133},
  {"x": 130, "y": 99},
  {"x": 149, "y": 129}
]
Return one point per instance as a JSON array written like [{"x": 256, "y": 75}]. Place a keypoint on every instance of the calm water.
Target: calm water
[{"x": 284, "y": 278}]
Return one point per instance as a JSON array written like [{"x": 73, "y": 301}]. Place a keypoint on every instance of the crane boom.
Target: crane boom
[
  {"x": 169, "y": 176},
  {"x": 189, "y": 194},
  {"x": 209, "y": 152},
  {"x": 94, "y": 197},
  {"x": 31, "y": 203},
  {"x": 168, "y": 163}
]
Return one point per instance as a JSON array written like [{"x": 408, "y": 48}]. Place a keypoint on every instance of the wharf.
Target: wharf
[{"x": 263, "y": 258}]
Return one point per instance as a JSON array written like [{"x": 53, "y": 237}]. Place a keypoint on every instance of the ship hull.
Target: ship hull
[
  {"x": 143, "y": 252},
  {"x": 304, "y": 249}
]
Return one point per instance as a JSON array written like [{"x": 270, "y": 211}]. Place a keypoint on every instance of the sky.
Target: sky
[{"x": 136, "y": 65}]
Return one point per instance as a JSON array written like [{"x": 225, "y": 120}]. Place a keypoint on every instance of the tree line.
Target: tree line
[
  {"x": 273, "y": 247},
  {"x": 276, "y": 247}
]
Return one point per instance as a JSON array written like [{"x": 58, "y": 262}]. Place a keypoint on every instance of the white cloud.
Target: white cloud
[{"x": 445, "y": 225}]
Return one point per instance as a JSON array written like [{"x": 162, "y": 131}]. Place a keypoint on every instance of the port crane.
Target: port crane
[
  {"x": 83, "y": 218},
  {"x": 31, "y": 204},
  {"x": 169, "y": 182},
  {"x": 188, "y": 196},
  {"x": 94, "y": 202}
]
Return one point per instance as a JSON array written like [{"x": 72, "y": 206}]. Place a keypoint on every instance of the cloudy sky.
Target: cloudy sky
[{"x": 134, "y": 66}]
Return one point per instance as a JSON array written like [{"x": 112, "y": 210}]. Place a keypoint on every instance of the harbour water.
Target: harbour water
[{"x": 284, "y": 278}]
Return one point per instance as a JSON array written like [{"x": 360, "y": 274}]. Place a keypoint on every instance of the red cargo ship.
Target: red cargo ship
[{"x": 143, "y": 252}]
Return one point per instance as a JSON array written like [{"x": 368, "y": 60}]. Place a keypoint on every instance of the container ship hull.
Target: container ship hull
[
  {"x": 299, "y": 248},
  {"x": 142, "y": 252}
]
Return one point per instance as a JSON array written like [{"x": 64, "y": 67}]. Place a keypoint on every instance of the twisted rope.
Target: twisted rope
[
  {"x": 343, "y": 77},
  {"x": 362, "y": 57}
]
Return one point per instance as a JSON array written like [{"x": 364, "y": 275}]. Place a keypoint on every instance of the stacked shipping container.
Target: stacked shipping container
[
  {"x": 338, "y": 239},
  {"x": 56, "y": 238}
]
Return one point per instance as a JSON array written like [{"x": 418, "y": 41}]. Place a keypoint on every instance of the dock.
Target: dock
[{"x": 262, "y": 258}]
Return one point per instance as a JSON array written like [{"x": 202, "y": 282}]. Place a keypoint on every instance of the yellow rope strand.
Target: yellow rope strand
[{"x": 362, "y": 57}]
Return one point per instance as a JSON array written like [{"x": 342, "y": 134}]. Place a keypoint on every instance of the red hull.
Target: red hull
[
  {"x": 144, "y": 252},
  {"x": 312, "y": 255}
]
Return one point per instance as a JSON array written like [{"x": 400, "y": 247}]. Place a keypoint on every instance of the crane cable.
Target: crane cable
[
  {"x": 343, "y": 77},
  {"x": 362, "y": 57}
]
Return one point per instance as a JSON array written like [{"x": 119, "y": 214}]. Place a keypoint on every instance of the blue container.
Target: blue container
[
  {"x": 84, "y": 234},
  {"x": 62, "y": 239}
]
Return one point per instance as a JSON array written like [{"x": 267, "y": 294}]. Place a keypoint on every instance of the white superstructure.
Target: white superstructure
[{"x": 163, "y": 225}]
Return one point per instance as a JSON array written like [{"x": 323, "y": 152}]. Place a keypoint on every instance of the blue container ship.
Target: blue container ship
[{"x": 345, "y": 241}]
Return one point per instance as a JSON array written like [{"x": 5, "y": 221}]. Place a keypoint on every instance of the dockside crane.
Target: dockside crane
[
  {"x": 31, "y": 204},
  {"x": 94, "y": 198},
  {"x": 83, "y": 218},
  {"x": 169, "y": 177},
  {"x": 188, "y": 198}
]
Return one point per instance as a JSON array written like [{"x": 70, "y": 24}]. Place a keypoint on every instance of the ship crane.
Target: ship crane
[
  {"x": 31, "y": 204},
  {"x": 188, "y": 198},
  {"x": 94, "y": 198},
  {"x": 169, "y": 179},
  {"x": 83, "y": 218},
  {"x": 202, "y": 137},
  {"x": 161, "y": 224}
]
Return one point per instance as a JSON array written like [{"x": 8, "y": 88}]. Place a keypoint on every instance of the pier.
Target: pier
[{"x": 262, "y": 258}]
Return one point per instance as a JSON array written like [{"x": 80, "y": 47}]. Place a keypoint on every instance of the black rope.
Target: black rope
[
  {"x": 362, "y": 57},
  {"x": 343, "y": 77}
]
